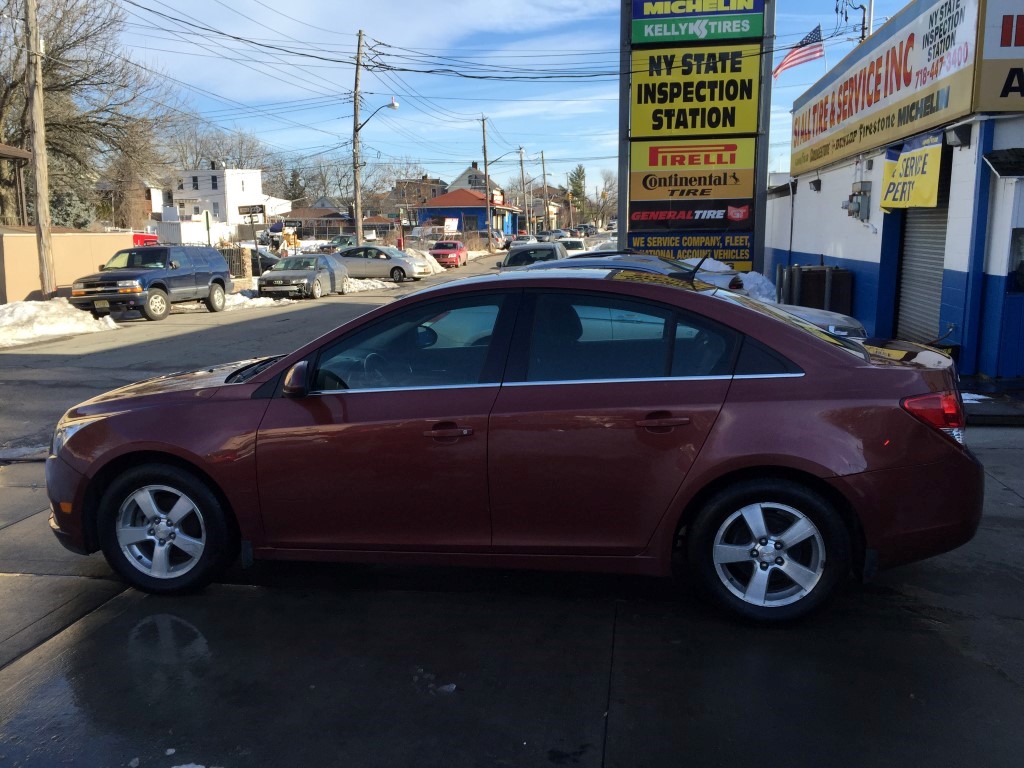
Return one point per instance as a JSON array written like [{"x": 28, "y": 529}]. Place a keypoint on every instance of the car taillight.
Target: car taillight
[{"x": 941, "y": 410}]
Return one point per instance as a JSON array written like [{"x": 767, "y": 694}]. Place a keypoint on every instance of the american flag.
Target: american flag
[{"x": 808, "y": 49}]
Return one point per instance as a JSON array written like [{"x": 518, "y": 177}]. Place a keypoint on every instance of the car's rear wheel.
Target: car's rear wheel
[
  {"x": 768, "y": 549},
  {"x": 157, "y": 306},
  {"x": 215, "y": 299},
  {"x": 162, "y": 529},
  {"x": 316, "y": 290},
  {"x": 398, "y": 274}
]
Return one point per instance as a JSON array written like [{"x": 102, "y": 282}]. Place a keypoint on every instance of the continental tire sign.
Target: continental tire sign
[{"x": 673, "y": 170}]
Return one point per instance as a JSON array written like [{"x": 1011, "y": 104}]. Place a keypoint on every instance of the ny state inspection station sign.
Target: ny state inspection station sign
[{"x": 697, "y": 21}]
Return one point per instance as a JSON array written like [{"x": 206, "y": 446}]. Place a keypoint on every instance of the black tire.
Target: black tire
[
  {"x": 398, "y": 274},
  {"x": 157, "y": 305},
  {"x": 343, "y": 286},
  {"x": 766, "y": 578},
  {"x": 193, "y": 548},
  {"x": 215, "y": 300},
  {"x": 316, "y": 290}
]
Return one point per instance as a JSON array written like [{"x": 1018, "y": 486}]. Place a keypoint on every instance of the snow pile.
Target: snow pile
[
  {"x": 358, "y": 285},
  {"x": 25, "y": 321},
  {"x": 758, "y": 286},
  {"x": 435, "y": 268},
  {"x": 249, "y": 299}
]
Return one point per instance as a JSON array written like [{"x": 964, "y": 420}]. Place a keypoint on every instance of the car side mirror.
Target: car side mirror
[
  {"x": 425, "y": 337},
  {"x": 497, "y": 264},
  {"x": 296, "y": 383},
  {"x": 102, "y": 267}
]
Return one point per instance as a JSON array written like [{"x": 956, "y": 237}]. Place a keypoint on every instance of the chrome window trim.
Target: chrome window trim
[
  {"x": 404, "y": 389},
  {"x": 746, "y": 376}
]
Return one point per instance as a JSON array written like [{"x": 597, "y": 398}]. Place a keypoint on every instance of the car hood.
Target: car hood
[
  {"x": 286, "y": 274},
  {"x": 189, "y": 384},
  {"x": 117, "y": 274}
]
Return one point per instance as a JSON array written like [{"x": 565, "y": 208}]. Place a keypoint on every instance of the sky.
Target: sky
[{"x": 543, "y": 73}]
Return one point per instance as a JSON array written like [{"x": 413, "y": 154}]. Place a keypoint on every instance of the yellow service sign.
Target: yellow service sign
[
  {"x": 911, "y": 177},
  {"x": 709, "y": 168},
  {"x": 695, "y": 91}
]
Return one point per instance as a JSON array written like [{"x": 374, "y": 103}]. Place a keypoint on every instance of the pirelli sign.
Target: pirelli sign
[
  {"x": 675, "y": 170},
  {"x": 699, "y": 94}
]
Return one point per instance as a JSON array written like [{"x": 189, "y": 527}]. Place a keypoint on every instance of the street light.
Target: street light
[{"x": 357, "y": 189}]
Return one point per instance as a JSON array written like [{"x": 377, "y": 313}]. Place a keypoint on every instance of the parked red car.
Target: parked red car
[
  {"x": 450, "y": 253},
  {"x": 606, "y": 420}
]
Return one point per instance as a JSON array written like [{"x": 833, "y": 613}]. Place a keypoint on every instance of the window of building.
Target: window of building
[
  {"x": 213, "y": 182},
  {"x": 216, "y": 208},
  {"x": 181, "y": 183},
  {"x": 195, "y": 210},
  {"x": 195, "y": 182},
  {"x": 243, "y": 185}
]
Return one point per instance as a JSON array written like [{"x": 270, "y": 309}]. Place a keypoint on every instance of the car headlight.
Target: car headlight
[
  {"x": 78, "y": 286},
  {"x": 300, "y": 281},
  {"x": 129, "y": 286},
  {"x": 65, "y": 430}
]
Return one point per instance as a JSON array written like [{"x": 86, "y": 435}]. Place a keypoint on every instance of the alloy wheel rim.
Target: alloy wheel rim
[
  {"x": 161, "y": 531},
  {"x": 769, "y": 554},
  {"x": 218, "y": 297},
  {"x": 157, "y": 304}
]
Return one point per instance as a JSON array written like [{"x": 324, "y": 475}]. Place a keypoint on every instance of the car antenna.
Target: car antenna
[{"x": 691, "y": 275}]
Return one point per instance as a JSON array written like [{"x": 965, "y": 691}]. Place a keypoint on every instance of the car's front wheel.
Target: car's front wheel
[
  {"x": 162, "y": 529},
  {"x": 768, "y": 549},
  {"x": 316, "y": 290},
  {"x": 157, "y": 306}
]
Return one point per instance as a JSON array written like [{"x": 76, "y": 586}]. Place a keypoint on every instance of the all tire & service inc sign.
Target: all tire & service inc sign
[
  {"x": 915, "y": 73},
  {"x": 699, "y": 97}
]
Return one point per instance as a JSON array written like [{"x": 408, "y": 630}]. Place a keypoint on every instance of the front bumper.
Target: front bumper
[
  {"x": 105, "y": 302},
  {"x": 65, "y": 489},
  {"x": 283, "y": 290}
]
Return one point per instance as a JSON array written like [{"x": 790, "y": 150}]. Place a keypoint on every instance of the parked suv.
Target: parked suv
[
  {"x": 337, "y": 242},
  {"x": 151, "y": 278}
]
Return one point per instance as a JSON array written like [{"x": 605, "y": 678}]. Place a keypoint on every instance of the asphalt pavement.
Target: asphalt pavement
[{"x": 289, "y": 664}]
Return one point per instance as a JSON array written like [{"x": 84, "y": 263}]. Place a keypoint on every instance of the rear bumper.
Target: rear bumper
[{"x": 912, "y": 513}]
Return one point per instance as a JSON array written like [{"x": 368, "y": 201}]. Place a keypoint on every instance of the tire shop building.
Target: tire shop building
[{"x": 906, "y": 168}]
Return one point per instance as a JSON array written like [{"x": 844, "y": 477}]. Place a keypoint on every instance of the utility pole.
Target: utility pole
[
  {"x": 547, "y": 208},
  {"x": 487, "y": 186},
  {"x": 522, "y": 180},
  {"x": 47, "y": 281},
  {"x": 357, "y": 191}
]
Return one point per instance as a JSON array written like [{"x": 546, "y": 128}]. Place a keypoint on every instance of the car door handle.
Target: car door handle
[
  {"x": 449, "y": 432},
  {"x": 663, "y": 422}
]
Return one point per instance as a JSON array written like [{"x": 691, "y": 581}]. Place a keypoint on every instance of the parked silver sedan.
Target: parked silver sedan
[
  {"x": 382, "y": 261},
  {"x": 307, "y": 276}
]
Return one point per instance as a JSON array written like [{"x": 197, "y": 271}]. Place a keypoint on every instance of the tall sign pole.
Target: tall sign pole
[
  {"x": 487, "y": 187},
  {"x": 47, "y": 280}
]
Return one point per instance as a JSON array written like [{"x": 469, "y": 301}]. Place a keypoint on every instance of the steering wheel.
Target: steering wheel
[{"x": 377, "y": 369}]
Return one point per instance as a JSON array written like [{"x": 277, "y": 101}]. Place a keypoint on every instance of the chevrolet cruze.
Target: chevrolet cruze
[{"x": 603, "y": 420}]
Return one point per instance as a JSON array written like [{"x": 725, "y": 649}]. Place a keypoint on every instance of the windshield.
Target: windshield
[
  {"x": 138, "y": 258},
  {"x": 294, "y": 264},
  {"x": 447, "y": 246}
]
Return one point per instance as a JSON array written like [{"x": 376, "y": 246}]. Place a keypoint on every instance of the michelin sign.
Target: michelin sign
[{"x": 695, "y": 21}]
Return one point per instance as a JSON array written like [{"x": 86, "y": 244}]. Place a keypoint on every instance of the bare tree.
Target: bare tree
[{"x": 95, "y": 94}]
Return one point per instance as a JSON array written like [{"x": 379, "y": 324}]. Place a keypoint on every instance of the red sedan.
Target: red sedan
[
  {"x": 450, "y": 253},
  {"x": 603, "y": 420}
]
